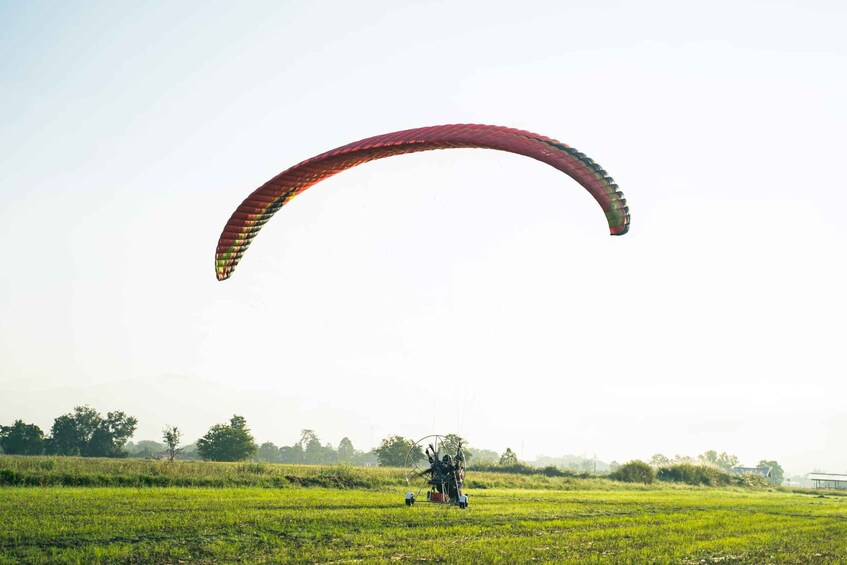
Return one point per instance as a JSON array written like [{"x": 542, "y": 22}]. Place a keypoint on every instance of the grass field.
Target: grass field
[{"x": 584, "y": 521}]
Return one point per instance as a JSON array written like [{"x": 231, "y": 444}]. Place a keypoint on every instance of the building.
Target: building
[{"x": 828, "y": 480}]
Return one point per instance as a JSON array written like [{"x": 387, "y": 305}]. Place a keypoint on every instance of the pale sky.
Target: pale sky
[{"x": 463, "y": 291}]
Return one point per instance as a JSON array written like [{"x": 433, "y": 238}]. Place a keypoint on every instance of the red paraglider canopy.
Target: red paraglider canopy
[{"x": 263, "y": 203}]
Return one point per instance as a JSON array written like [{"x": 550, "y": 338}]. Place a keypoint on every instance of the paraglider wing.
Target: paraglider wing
[{"x": 263, "y": 203}]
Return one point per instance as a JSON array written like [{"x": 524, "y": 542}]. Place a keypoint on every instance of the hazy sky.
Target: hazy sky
[{"x": 459, "y": 291}]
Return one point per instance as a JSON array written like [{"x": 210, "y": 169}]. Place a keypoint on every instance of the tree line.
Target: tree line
[{"x": 85, "y": 432}]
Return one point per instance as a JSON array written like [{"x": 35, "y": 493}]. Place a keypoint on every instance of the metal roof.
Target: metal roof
[{"x": 827, "y": 477}]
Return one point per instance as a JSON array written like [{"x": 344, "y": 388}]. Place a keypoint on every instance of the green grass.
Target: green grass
[
  {"x": 96, "y": 472},
  {"x": 60, "y": 524},
  {"x": 577, "y": 521}
]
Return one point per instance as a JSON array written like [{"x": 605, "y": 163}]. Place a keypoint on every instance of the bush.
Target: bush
[
  {"x": 634, "y": 472},
  {"x": 552, "y": 471},
  {"x": 693, "y": 475}
]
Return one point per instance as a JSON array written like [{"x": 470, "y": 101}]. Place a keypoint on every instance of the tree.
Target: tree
[
  {"x": 659, "y": 460},
  {"x": 508, "y": 458},
  {"x": 63, "y": 439},
  {"x": 481, "y": 456},
  {"x": 268, "y": 452},
  {"x": 21, "y": 439},
  {"x": 313, "y": 452},
  {"x": 346, "y": 452},
  {"x": 392, "y": 451},
  {"x": 328, "y": 455},
  {"x": 224, "y": 442},
  {"x": 87, "y": 421},
  {"x": 291, "y": 454},
  {"x": 84, "y": 432},
  {"x": 307, "y": 437},
  {"x": 99, "y": 445},
  {"x": 450, "y": 444},
  {"x": 723, "y": 460},
  {"x": 172, "y": 435},
  {"x": 111, "y": 435},
  {"x": 777, "y": 472}
]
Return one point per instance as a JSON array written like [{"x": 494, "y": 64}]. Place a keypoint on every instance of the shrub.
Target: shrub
[
  {"x": 634, "y": 472},
  {"x": 693, "y": 475},
  {"x": 552, "y": 471}
]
